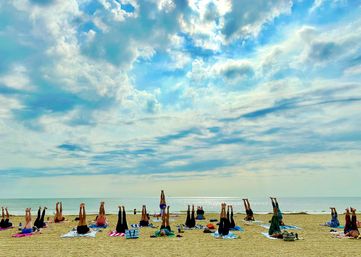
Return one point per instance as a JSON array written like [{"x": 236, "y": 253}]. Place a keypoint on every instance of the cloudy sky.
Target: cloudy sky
[{"x": 201, "y": 98}]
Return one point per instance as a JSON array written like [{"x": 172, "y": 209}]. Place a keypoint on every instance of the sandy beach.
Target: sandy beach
[{"x": 317, "y": 240}]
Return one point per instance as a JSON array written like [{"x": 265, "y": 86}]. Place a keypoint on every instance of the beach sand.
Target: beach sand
[{"x": 317, "y": 240}]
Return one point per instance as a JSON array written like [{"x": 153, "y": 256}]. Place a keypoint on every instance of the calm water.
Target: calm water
[{"x": 210, "y": 204}]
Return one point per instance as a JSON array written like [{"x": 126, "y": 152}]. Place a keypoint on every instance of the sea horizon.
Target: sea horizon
[{"x": 260, "y": 205}]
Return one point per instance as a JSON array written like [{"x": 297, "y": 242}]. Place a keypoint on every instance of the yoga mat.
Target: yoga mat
[
  {"x": 237, "y": 228},
  {"x": 229, "y": 236},
  {"x": 116, "y": 234},
  {"x": 22, "y": 235},
  {"x": 285, "y": 227},
  {"x": 74, "y": 233},
  {"x": 268, "y": 236}
]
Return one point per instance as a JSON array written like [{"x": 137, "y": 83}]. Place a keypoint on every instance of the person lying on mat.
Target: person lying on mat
[
  {"x": 162, "y": 203},
  {"x": 200, "y": 213},
  {"x": 82, "y": 227},
  {"x": 351, "y": 226},
  {"x": 28, "y": 228},
  {"x": 165, "y": 227},
  {"x": 190, "y": 221},
  {"x": 274, "y": 229},
  {"x": 144, "y": 221},
  {"x": 122, "y": 220},
  {"x": 5, "y": 223},
  {"x": 39, "y": 222},
  {"x": 232, "y": 224},
  {"x": 249, "y": 212},
  {"x": 334, "y": 223},
  {"x": 279, "y": 213},
  {"x": 59, "y": 213},
  {"x": 101, "y": 220},
  {"x": 224, "y": 224}
]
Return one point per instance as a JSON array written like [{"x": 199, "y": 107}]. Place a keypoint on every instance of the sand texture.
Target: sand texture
[{"x": 317, "y": 241}]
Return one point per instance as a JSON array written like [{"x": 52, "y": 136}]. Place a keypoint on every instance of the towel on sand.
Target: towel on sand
[
  {"x": 116, "y": 234},
  {"x": 341, "y": 235},
  {"x": 139, "y": 226},
  {"x": 74, "y": 233},
  {"x": 268, "y": 236},
  {"x": 22, "y": 235},
  {"x": 237, "y": 228},
  {"x": 199, "y": 227},
  {"x": 326, "y": 225},
  {"x": 251, "y": 222},
  {"x": 229, "y": 236},
  {"x": 95, "y": 227},
  {"x": 160, "y": 220},
  {"x": 285, "y": 227},
  {"x": 167, "y": 233}
]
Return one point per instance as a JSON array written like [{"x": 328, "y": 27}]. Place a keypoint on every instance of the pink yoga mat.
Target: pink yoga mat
[
  {"x": 115, "y": 233},
  {"x": 22, "y": 235}
]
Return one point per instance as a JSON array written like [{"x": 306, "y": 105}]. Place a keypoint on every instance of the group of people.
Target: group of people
[
  {"x": 351, "y": 225},
  {"x": 225, "y": 225}
]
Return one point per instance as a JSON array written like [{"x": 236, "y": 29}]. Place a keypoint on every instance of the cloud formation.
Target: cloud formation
[{"x": 185, "y": 90}]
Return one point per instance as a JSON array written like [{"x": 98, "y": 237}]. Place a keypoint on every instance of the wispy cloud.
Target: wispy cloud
[{"x": 179, "y": 89}]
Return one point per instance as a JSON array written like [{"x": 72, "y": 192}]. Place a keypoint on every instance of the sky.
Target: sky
[{"x": 200, "y": 98}]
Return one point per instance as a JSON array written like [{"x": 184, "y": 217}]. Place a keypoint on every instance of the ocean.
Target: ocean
[{"x": 312, "y": 205}]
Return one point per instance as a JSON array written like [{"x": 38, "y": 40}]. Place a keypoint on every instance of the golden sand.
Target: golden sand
[{"x": 317, "y": 241}]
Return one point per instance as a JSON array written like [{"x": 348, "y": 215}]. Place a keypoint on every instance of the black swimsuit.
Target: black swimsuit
[{"x": 82, "y": 229}]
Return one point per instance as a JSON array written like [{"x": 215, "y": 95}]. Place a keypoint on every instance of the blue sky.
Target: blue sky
[{"x": 212, "y": 98}]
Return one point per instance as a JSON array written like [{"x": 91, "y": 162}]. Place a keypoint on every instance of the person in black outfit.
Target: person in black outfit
[
  {"x": 39, "y": 222},
  {"x": 82, "y": 227},
  {"x": 144, "y": 221},
  {"x": 122, "y": 220},
  {"x": 5, "y": 223},
  {"x": 249, "y": 212},
  {"x": 230, "y": 217},
  {"x": 190, "y": 221},
  {"x": 223, "y": 228},
  {"x": 200, "y": 213}
]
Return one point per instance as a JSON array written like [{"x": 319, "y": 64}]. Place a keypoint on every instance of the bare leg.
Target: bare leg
[
  {"x": 80, "y": 215},
  {"x": 84, "y": 215},
  {"x": 245, "y": 204},
  {"x": 7, "y": 213},
  {"x": 167, "y": 218},
  {"x": 163, "y": 220},
  {"x": 145, "y": 214},
  {"x": 2, "y": 213}
]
